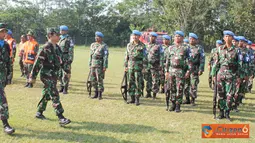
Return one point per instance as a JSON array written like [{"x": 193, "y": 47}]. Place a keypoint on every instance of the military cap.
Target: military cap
[
  {"x": 236, "y": 38},
  {"x": 52, "y": 31},
  {"x": 179, "y": 33},
  {"x": 136, "y": 32},
  {"x": 63, "y": 28},
  {"x": 167, "y": 37},
  {"x": 227, "y": 32},
  {"x": 31, "y": 33},
  {"x": 193, "y": 35},
  {"x": 99, "y": 34},
  {"x": 219, "y": 42},
  {"x": 9, "y": 32},
  {"x": 241, "y": 38},
  {"x": 186, "y": 40},
  {"x": 249, "y": 42},
  {"x": 154, "y": 34},
  {"x": 3, "y": 27}
]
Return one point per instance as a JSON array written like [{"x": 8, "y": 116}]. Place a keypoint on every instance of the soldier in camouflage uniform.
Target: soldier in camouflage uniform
[
  {"x": 227, "y": 66},
  {"x": 98, "y": 63},
  {"x": 5, "y": 67},
  {"x": 135, "y": 63},
  {"x": 196, "y": 64},
  {"x": 48, "y": 62},
  {"x": 235, "y": 41},
  {"x": 251, "y": 67},
  {"x": 176, "y": 70},
  {"x": 66, "y": 45},
  {"x": 12, "y": 44},
  {"x": 212, "y": 59},
  {"x": 166, "y": 43},
  {"x": 155, "y": 65}
]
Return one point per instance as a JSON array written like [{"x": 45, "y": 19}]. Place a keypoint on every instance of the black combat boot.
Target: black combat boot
[
  {"x": 40, "y": 115},
  {"x": 235, "y": 108},
  {"x": 61, "y": 89},
  {"x": 221, "y": 114},
  {"x": 193, "y": 101},
  {"x": 162, "y": 90},
  {"x": 154, "y": 96},
  {"x": 65, "y": 90},
  {"x": 148, "y": 95},
  {"x": 7, "y": 128},
  {"x": 62, "y": 120},
  {"x": 27, "y": 84},
  {"x": 30, "y": 85},
  {"x": 96, "y": 95},
  {"x": 173, "y": 106},
  {"x": 187, "y": 100},
  {"x": 137, "y": 103},
  {"x": 100, "y": 95},
  {"x": 227, "y": 115},
  {"x": 132, "y": 101},
  {"x": 178, "y": 108}
]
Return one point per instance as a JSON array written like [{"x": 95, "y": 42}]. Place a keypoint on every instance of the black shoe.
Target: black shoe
[
  {"x": 235, "y": 108},
  {"x": 137, "y": 103},
  {"x": 65, "y": 90},
  {"x": 227, "y": 115},
  {"x": 132, "y": 101},
  {"x": 221, "y": 115},
  {"x": 187, "y": 101},
  {"x": 96, "y": 95},
  {"x": 39, "y": 115},
  {"x": 178, "y": 108},
  {"x": 100, "y": 95},
  {"x": 64, "y": 121},
  {"x": 162, "y": 90},
  {"x": 61, "y": 89},
  {"x": 148, "y": 95},
  {"x": 154, "y": 96},
  {"x": 193, "y": 101},
  {"x": 30, "y": 85},
  {"x": 27, "y": 84},
  {"x": 172, "y": 108}
]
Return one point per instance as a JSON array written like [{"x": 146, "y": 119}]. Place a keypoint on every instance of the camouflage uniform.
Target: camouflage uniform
[
  {"x": 228, "y": 64},
  {"x": 212, "y": 59},
  {"x": 135, "y": 60},
  {"x": 66, "y": 45},
  {"x": 176, "y": 65},
  {"x": 251, "y": 69},
  {"x": 196, "y": 64},
  {"x": 155, "y": 64},
  {"x": 162, "y": 76},
  {"x": 48, "y": 62},
  {"x": 97, "y": 62}
]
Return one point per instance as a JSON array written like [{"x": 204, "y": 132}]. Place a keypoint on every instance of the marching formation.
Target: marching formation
[{"x": 172, "y": 68}]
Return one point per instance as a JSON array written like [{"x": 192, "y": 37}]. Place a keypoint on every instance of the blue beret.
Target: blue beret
[
  {"x": 219, "y": 42},
  {"x": 179, "y": 33},
  {"x": 9, "y": 32},
  {"x": 186, "y": 40},
  {"x": 249, "y": 42},
  {"x": 236, "y": 38},
  {"x": 193, "y": 35},
  {"x": 227, "y": 32},
  {"x": 241, "y": 38},
  {"x": 136, "y": 32},
  {"x": 99, "y": 34},
  {"x": 246, "y": 40},
  {"x": 63, "y": 28},
  {"x": 166, "y": 37},
  {"x": 154, "y": 34}
]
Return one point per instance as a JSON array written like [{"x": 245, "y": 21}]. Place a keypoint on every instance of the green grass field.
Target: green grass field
[{"x": 110, "y": 120}]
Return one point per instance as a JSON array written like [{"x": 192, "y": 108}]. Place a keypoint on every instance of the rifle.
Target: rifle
[
  {"x": 89, "y": 84},
  {"x": 215, "y": 96},
  {"x": 124, "y": 87}
]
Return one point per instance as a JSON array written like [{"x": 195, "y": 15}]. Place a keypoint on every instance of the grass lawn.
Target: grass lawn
[{"x": 110, "y": 120}]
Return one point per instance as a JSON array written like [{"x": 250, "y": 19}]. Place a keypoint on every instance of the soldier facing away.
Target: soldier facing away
[
  {"x": 98, "y": 63},
  {"x": 48, "y": 62}
]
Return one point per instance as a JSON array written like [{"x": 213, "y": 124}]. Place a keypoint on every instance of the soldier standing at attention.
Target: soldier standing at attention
[
  {"x": 196, "y": 63},
  {"x": 23, "y": 40},
  {"x": 176, "y": 70},
  {"x": 5, "y": 69},
  {"x": 211, "y": 60},
  {"x": 228, "y": 64},
  {"x": 155, "y": 64},
  {"x": 31, "y": 48},
  {"x": 251, "y": 67},
  {"x": 98, "y": 63},
  {"x": 135, "y": 63},
  {"x": 66, "y": 45},
  {"x": 48, "y": 63},
  {"x": 12, "y": 44},
  {"x": 165, "y": 45}
]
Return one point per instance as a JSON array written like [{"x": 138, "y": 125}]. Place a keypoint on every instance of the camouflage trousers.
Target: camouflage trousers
[
  {"x": 152, "y": 78},
  {"x": 226, "y": 90},
  {"x": 21, "y": 65},
  {"x": 250, "y": 84},
  {"x": 162, "y": 79},
  {"x": 190, "y": 87},
  {"x": 135, "y": 80},
  {"x": 27, "y": 69},
  {"x": 4, "y": 114},
  {"x": 10, "y": 76},
  {"x": 65, "y": 75},
  {"x": 97, "y": 78},
  {"x": 176, "y": 85},
  {"x": 50, "y": 92}
]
